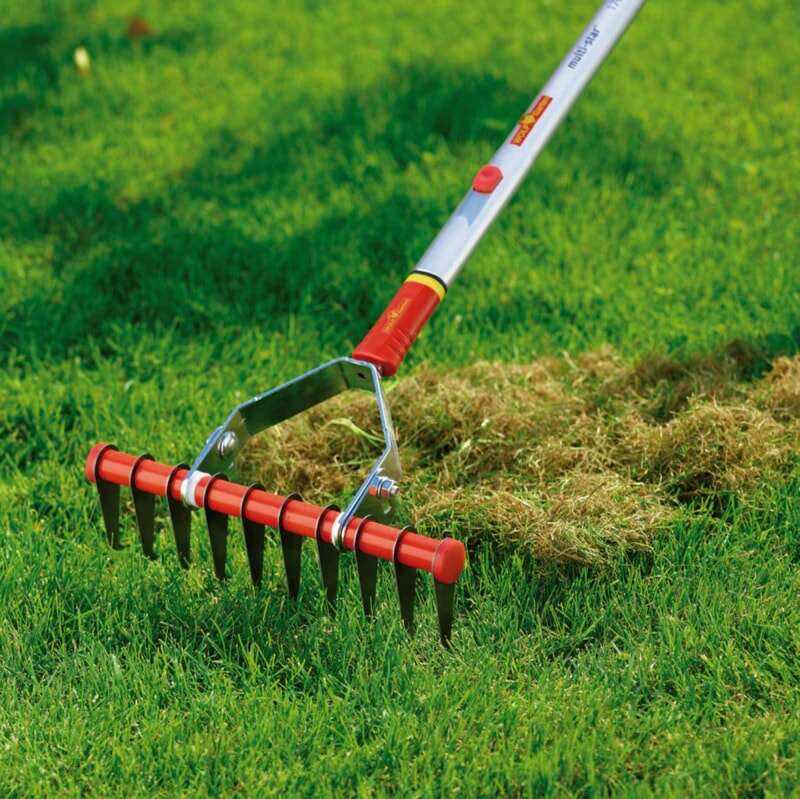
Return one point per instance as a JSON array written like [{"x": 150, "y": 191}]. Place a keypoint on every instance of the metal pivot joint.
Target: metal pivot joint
[{"x": 377, "y": 493}]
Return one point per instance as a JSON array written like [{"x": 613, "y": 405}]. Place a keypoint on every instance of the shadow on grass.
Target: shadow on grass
[
  {"x": 166, "y": 260},
  {"x": 25, "y": 51},
  {"x": 37, "y": 52}
]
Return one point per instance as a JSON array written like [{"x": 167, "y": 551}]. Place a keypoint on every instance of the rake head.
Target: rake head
[{"x": 204, "y": 485}]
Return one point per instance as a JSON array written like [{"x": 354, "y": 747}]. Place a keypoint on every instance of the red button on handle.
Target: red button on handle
[{"x": 487, "y": 179}]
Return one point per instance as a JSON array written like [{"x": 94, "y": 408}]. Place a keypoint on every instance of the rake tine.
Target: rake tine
[
  {"x": 217, "y": 531},
  {"x": 144, "y": 505},
  {"x": 109, "y": 504},
  {"x": 367, "y": 567},
  {"x": 292, "y": 546},
  {"x": 328, "y": 560},
  {"x": 253, "y": 538},
  {"x": 445, "y": 599},
  {"x": 181, "y": 518},
  {"x": 406, "y": 584},
  {"x": 443, "y": 559},
  {"x": 109, "y": 501}
]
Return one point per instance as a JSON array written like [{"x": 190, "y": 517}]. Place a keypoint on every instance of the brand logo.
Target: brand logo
[
  {"x": 529, "y": 120},
  {"x": 393, "y": 315}
]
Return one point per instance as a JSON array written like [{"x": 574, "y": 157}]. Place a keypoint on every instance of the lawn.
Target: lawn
[{"x": 232, "y": 199}]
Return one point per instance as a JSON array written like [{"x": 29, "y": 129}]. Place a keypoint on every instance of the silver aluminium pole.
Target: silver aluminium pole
[{"x": 498, "y": 180}]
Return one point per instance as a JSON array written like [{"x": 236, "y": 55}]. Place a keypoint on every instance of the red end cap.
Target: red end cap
[
  {"x": 486, "y": 180},
  {"x": 449, "y": 560}
]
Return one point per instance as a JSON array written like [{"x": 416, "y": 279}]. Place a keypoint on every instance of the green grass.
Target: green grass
[{"x": 233, "y": 200}]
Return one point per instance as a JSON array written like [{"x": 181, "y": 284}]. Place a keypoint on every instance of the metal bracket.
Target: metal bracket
[{"x": 376, "y": 495}]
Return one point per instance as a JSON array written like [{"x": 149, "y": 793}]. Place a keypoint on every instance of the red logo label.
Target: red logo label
[
  {"x": 393, "y": 315},
  {"x": 529, "y": 120}
]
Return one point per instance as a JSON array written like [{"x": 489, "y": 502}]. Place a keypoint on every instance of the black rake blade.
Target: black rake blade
[
  {"x": 254, "y": 534},
  {"x": 445, "y": 602},
  {"x": 144, "y": 505},
  {"x": 367, "y": 566},
  {"x": 109, "y": 505},
  {"x": 181, "y": 518},
  {"x": 292, "y": 546},
  {"x": 328, "y": 556},
  {"x": 217, "y": 532}
]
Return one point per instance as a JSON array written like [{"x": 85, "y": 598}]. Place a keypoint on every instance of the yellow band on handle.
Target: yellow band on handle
[{"x": 430, "y": 282}]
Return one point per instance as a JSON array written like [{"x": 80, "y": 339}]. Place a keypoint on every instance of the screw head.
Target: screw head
[{"x": 227, "y": 444}]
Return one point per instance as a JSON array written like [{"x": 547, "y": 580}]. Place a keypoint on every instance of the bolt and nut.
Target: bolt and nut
[
  {"x": 385, "y": 488},
  {"x": 227, "y": 444}
]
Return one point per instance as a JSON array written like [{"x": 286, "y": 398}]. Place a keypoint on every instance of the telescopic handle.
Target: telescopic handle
[{"x": 391, "y": 337}]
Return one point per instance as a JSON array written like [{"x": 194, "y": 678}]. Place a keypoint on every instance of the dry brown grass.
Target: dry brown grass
[{"x": 572, "y": 459}]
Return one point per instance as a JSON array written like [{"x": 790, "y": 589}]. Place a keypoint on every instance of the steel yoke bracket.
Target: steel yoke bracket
[{"x": 376, "y": 495}]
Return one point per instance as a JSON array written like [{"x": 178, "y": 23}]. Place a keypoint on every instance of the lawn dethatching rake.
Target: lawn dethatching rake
[{"x": 368, "y": 534}]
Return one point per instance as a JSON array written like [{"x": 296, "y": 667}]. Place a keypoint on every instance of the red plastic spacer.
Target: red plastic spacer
[
  {"x": 246, "y": 496},
  {"x": 172, "y": 475},
  {"x": 135, "y": 467},
  {"x": 358, "y": 532},
  {"x": 318, "y": 524},
  {"x": 287, "y": 499},
  {"x": 398, "y": 542}
]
